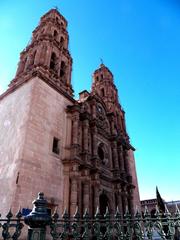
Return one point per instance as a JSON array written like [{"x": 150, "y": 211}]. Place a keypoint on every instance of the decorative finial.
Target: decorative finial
[{"x": 101, "y": 60}]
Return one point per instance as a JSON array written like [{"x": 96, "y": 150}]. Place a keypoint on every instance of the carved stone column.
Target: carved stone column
[
  {"x": 119, "y": 196},
  {"x": 38, "y": 56},
  {"x": 86, "y": 195},
  {"x": 112, "y": 120},
  {"x": 75, "y": 129},
  {"x": 126, "y": 162},
  {"x": 115, "y": 155},
  {"x": 94, "y": 141},
  {"x": 69, "y": 73},
  {"x": 94, "y": 110},
  {"x": 96, "y": 197},
  {"x": 43, "y": 54},
  {"x": 121, "y": 158},
  {"x": 130, "y": 201},
  {"x": 124, "y": 201},
  {"x": 85, "y": 134},
  {"x": 73, "y": 196},
  {"x": 48, "y": 56}
]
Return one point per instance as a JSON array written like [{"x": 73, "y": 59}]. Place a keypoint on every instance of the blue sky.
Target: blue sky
[{"x": 140, "y": 42}]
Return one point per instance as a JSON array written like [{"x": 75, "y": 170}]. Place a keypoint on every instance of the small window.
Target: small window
[
  {"x": 63, "y": 69},
  {"x": 97, "y": 78},
  {"x": 55, "y": 147},
  {"x": 62, "y": 41},
  {"x": 53, "y": 61},
  {"x": 102, "y": 76},
  {"x": 55, "y": 35}
]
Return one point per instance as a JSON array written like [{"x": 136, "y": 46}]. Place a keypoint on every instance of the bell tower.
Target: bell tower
[
  {"x": 103, "y": 85},
  {"x": 47, "y": 55}
]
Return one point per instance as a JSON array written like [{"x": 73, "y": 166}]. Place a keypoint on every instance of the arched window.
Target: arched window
[
  {"x": 62, "y": 41},
  {"x": 102, "y": 92},
  {"x": 63, "y": 69},
  {"x": 97, "y": 78},
  {"x": 101, "y": 153},
  {"x": 55, "y": 35},
  {"x": 53, "y": 61},
  {"x": 102, "y": 76}
]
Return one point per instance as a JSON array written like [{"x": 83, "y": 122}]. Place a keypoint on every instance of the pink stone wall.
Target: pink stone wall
[
  {"x": 13, "y": 121},
  {"x": 37, "y": 114}
]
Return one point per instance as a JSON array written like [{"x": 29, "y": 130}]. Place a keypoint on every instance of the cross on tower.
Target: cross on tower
[{"x": 101, "y": 60}]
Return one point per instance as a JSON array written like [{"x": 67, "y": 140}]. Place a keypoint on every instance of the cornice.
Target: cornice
[{"x": 21, "y": 80}]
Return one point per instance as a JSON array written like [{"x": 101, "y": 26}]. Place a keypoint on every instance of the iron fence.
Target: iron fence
[{"x": 127, "y": 227}]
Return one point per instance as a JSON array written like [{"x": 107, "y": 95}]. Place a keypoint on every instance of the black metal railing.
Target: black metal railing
[{"x": 127, "y": 227}]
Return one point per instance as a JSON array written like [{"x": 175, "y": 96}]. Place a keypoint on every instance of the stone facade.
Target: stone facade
[{"x": 77, "y": 152}]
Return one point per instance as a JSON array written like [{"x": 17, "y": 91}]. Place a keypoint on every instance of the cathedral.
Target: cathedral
[{"x": 77, "y": 152}]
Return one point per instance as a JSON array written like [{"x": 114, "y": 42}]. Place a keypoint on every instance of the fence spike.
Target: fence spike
[
  {"x": 126, "y": 212},
  {"x": 76, "y": 214},
  {"x": 107, "y": 214},
  {"x": 86, "y": 214},
  {"x": 55, "y": 215},
  {"x": 9, "y": 215},
  {"x": 117, "y": 213},
  {"x": 65, "y": 214},
  {"x": 19, "y": 214},
  {"x": 97, "y": 213}
]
